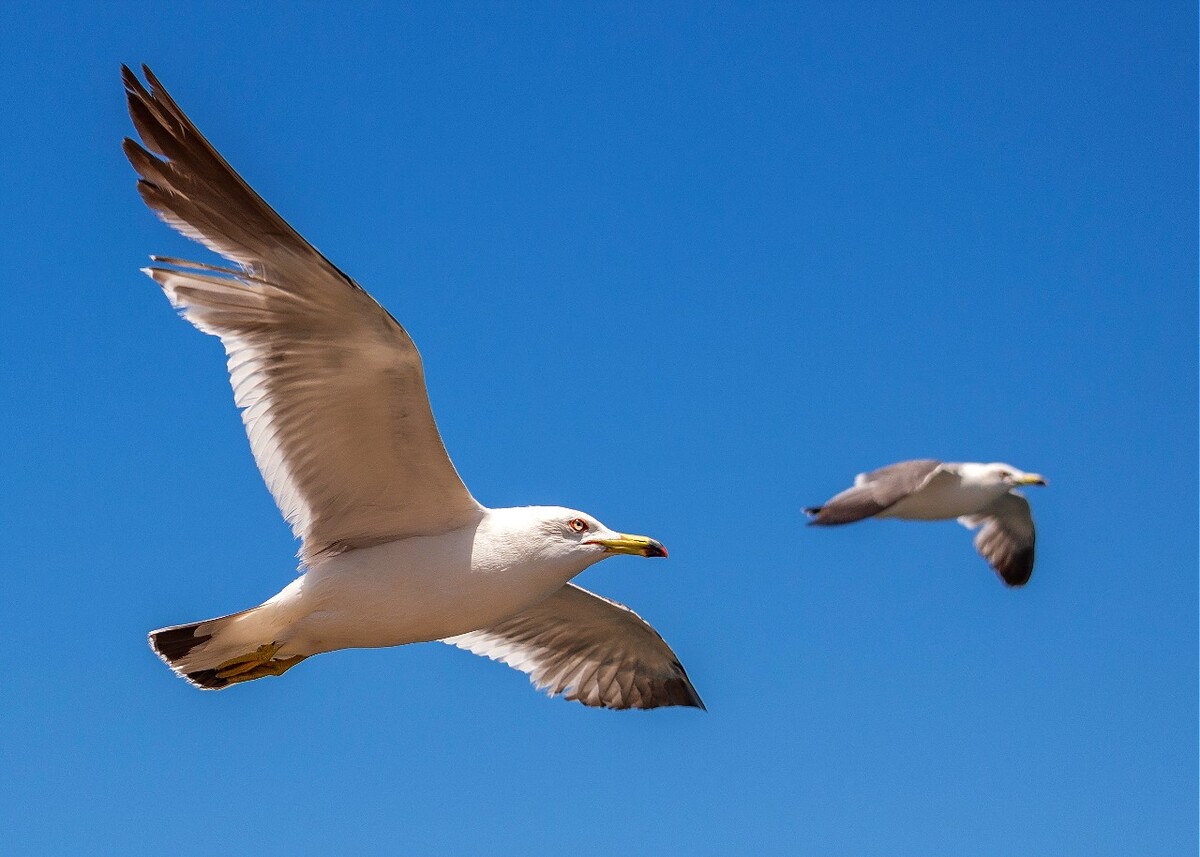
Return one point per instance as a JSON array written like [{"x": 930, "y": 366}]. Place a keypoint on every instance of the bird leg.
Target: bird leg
[{"x": 257, "y": 664}]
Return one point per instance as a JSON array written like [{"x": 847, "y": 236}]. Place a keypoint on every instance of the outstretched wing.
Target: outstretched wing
[
  {"x": 593, "y": 650},
  {"x": 876, "y": 491},
  {"x": 1007, "y": 537},
  {"x": 331, "y": 387}
]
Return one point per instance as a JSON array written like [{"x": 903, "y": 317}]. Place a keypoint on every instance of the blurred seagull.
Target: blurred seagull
[
  {"x": 394, "y": 548},
  {"x": 978, "y": 495}
]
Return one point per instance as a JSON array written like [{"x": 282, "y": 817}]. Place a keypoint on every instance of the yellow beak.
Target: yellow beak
[
  {"x": 1032, "y": 479},
  {"x": 637, "y": 545}
]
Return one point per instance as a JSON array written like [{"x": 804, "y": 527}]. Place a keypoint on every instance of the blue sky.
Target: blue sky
[{"x": 688, "y": 268}]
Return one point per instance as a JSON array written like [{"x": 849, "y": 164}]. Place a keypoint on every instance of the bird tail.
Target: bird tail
[{"x": 227, "y": 650}]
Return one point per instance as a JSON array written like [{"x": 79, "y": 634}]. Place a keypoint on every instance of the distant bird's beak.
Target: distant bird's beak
[
  {"x": 638, "y": 545},
  {"x": 1032, "y": 479}
]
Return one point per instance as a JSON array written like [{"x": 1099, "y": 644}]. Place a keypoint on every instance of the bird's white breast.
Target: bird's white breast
[
  {"x": 944, "y": 497},
  {"x": 422, "y": 588}
]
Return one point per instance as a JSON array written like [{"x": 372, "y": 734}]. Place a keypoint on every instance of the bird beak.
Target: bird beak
[
  {"x": 1031, "y": 479},
  {"x": 638, "y": 545}
]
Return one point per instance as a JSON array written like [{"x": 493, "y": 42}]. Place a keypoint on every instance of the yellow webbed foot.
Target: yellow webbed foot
[{"x": 257, "y": 664}]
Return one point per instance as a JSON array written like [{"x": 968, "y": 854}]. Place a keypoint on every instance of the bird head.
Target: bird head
[
  {"x": 583, "y": 532},
  {"x": 568, "y": 536},
  {"x": 999, "y": 473}
]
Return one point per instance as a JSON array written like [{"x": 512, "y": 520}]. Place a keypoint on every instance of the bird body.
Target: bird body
[
  {"x": 432, "y": 587},
  {"x": 412, "y": 590},
  {"x": 954, "y": 491}
]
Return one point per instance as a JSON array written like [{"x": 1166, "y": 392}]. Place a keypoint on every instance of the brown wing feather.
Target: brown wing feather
[
  {"x": 1007, "y": 537},
  {"x": 593, "y": 650},
  {"x": 204, "y": 197},
  {"x": 331, "y": 388},
  {"x": 874, "y": 492}
]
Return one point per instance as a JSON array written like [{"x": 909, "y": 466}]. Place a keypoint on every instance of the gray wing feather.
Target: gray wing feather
[
  {"x": 1007, "y": 537},
  {"x": 590, "y": 649},
  {"x": 331, "y": 387},
  {"x": 875, "y": 491}
]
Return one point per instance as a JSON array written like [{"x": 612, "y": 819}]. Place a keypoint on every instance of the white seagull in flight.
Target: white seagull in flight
[
  {"x": 978, "y": 495},
  {"x": 393, "y": 546}
]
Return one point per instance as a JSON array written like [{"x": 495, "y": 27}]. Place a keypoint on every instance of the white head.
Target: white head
[
  {"x": 565, "y": 538},
  {"x": 999, "y": 475}
]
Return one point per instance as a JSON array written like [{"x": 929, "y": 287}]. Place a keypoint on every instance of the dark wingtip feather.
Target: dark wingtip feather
[
  {"x": 172, "y": 644},
  {"x": 682, "y": 692},
  {"x": 207, "y": 679},
  {"x": 814, "y": 515},
  {"x": 1018, "y": 570},
  {"x": 694, "y": 700},
  {"x": 137, "y": 156},
  {"x": 133, "y": 86},
  {"x": 815, "y": 519},
  {"x": 200, "y": 195}
]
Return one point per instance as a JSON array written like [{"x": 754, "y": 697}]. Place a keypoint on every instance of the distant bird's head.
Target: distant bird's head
[{"x": 1000, "y": 474}]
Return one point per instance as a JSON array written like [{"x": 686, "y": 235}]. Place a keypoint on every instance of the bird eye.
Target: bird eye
[{"x": 579, "y": 525}]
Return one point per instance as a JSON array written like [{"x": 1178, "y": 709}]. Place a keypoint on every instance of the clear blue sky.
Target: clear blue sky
[{"x": 689, "y": 269}]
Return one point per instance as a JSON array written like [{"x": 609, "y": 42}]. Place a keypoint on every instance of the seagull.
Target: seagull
[
  {"x": 980, "y": 496},
  {"x": 393, "y": 547}
]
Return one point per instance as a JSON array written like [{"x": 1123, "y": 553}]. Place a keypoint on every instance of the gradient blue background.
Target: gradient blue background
[{"x": 690, "y": 269}]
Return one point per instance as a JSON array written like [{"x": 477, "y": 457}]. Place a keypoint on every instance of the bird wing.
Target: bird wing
[
  {"x": 875, "y": 491},
  {"x": 593, "y": 650},
  {"x": 1007, "y": 537},
  {"x": 330, "y": 386}
]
